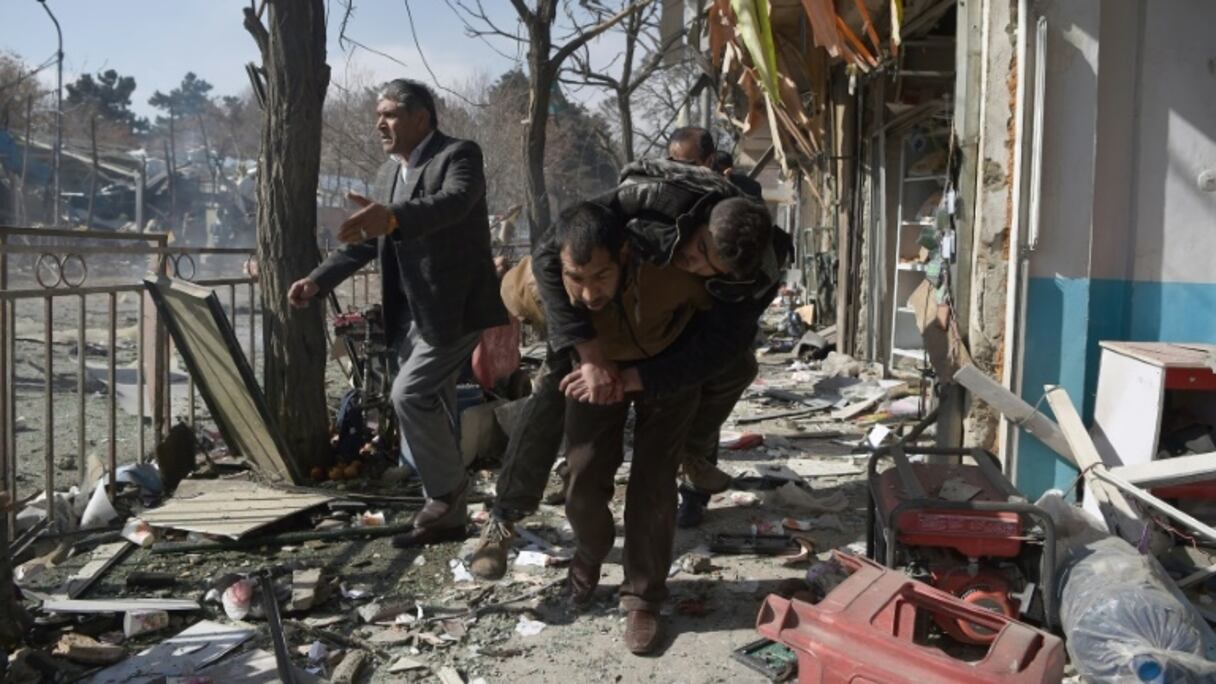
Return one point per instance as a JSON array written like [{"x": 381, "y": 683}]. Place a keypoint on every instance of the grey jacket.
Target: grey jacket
[{"x": 436, "y": 268}]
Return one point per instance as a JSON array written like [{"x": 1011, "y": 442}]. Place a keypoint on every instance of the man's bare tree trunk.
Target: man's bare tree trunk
[
  {"x": 632, "y": 76},
  {"x": 540, "y": 91},
  {"x": 543, "y": 70},
  {"x": 292, "y": 44}
]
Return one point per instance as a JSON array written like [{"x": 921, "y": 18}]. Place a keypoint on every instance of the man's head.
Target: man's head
[
  {"x": 723, "y": 162},
  {"x": 592, "y": 250},
  {"x": 731, "y": 244},
  {"x": 405, "y": 114},
  {"x": 691, "y": 144}
]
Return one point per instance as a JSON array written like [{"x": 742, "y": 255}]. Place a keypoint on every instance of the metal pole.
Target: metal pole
[
  {"x": 7, "y": 458},
  {"x": 81, "y": 446},
  {"x": 140, "y": 184},
  {"x": 58, "y": 110},
  {"x": 113, "y": 413},
  {"x": 48, "y": 417}
]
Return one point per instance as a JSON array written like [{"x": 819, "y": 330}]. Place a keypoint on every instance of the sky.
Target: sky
[{"x": 158, "y": 41}]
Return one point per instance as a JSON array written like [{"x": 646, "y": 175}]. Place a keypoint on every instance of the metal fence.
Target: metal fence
[{"x": 46, "y": 275}]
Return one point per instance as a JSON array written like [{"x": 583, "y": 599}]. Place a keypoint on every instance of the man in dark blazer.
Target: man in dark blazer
[{"x": 427, "y": 224}]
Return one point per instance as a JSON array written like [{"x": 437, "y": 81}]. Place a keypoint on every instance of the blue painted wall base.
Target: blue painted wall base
[{"x": 1065, "y": 320}]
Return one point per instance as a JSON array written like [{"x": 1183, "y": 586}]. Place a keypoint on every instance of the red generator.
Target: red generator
[
  {"x": 963, "y": 528},
  {"x": 866, "y": 631}
]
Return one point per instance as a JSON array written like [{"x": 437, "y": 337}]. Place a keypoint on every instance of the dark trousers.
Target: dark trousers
[
  {"x": 715, "y": 399},
  {"x": 534, "y": 442},
  {"x": 536, "y": 436},
  {"x": 594, "y": 450}
]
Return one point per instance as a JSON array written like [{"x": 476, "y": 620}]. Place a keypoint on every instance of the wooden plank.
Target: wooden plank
[
  {"x": 1014, "y": 409},
  {"x": 1132, "y": 490},
  {"x": 103, "y": 558},
  {"x": 1120, "y": 516},
  {"x": 116, "y": 605},
  {"x": 856, "y": 409},
  {"x": 230, "y": 509},
  {"x": 1168, "y": 472},
  {"x": 1196, "y": 577}
]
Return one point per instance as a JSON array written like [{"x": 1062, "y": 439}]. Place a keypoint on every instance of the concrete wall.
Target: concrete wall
[{"x": 1128, "y": 235}]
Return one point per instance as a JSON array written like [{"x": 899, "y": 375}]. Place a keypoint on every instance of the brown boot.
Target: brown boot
[
  {"x": 443, "y": 518},
  {"x": 704, "y": 476},
  {"x": 581, "y": 580},
  {"x": 642, "y": 632},
  {"x": 490, "y": 557}
]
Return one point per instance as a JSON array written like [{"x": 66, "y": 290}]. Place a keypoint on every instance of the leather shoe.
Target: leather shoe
[
  {"x": 692, "y": 507},
  {"x": 581, "y": 580},
  {"x": 442, "y": 519},
  {"x": 642, "y": 632},
  {"x": 424, "y": 536}
]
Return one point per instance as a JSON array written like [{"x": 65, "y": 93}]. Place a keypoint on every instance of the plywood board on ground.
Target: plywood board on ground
[{"x": 229, "y": 508}]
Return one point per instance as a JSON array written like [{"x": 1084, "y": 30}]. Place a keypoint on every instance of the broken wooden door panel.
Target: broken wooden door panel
[{"x": 222, "y": 373}]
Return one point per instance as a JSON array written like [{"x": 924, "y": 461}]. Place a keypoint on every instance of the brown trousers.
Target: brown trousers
[{"x": 595, "y": 449}]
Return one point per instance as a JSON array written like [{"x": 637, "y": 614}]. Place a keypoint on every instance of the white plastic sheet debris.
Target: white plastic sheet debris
[
  {"x": 354, "y": 593},
  {"x": 536, "y": 559},
  {"x": 138, "y": 532},
  {"x": 459, "y": 572},
  {"x": 238, "y": 598},
  {"x": 526, "y": 627},
  {"x": 99, "y": 511}
]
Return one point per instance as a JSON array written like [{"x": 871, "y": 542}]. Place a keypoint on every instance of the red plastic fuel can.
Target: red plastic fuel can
[{"x": 862, "y": 633}]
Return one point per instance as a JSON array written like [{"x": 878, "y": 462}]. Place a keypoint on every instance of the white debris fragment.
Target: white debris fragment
[
  {"x": 535, "y": 559},
  {"x": 238, "y": 598},
  {"x": 527, "y": 627},
  {"x": 459, "y": 572}
]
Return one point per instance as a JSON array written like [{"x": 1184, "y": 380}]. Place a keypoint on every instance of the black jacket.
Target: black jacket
[
  {"x": 660, "y": 203},
  {"x": 436, "y": 268}
]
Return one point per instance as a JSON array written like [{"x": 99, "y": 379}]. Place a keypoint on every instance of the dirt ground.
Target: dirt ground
[
  {"x": 476, "y": 628},
  {"x": 712, "y": 610}
]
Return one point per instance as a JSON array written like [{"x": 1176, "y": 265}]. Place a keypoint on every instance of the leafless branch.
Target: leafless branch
[
  {"x": 413, "y": 32},
  {"x": 253, "y": 24},
  {"x": 653, "y": 62},
  {"x": 586, "y": 36},
  {"x": 469, "y": 15},
  {"x": 348, "y": 10},
  {"x": 469, "y": 31}
]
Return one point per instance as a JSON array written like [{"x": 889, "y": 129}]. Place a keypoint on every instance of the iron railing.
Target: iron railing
[{"x": 53, "y": 267}]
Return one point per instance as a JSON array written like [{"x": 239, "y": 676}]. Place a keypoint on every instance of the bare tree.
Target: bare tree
[
  {"x": 660, "y": 101},
  {"x": 642, "y": 40},
  {"x": 292, "y": 45},
  {"x": 545, "y": 61}
]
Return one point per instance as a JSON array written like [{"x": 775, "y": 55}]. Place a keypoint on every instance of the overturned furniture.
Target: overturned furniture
[
  {"x": 871, "y": 628},
  {"x": 964, "y": 529}
]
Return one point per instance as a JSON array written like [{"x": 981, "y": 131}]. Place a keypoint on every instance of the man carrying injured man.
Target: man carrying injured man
[{"x": 691, "y": 383}]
